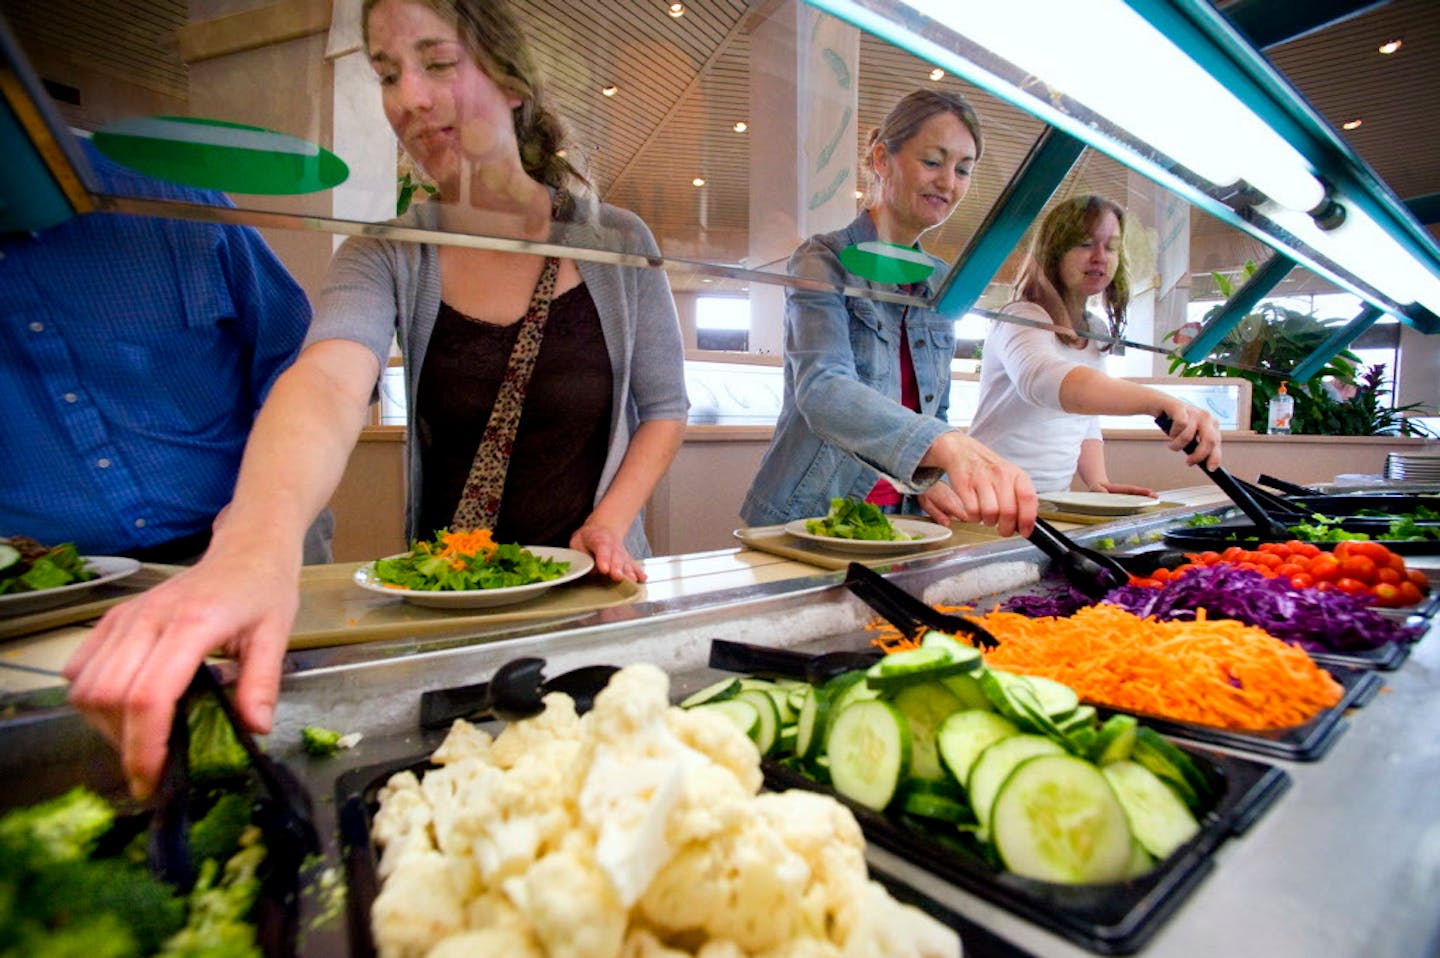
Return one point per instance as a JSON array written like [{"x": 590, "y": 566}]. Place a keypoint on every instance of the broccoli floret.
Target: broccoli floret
[
  {"x": 220, "y": 905},
  {"x": 215, "y": 751},
  {"x": 61, "y": 830},
  {"x": 94, "y": 936},
  {"x": 67, "y": 894},
  {"x": 320, "y": 741},
  {"x": 217, "y": 835}
]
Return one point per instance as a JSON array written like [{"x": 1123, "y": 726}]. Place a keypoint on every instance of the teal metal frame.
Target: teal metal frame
[
  {"x": 1040, "y": 174},
  {"x": 1237, "y": 307},
  {"x": 1337, "y": 342}
]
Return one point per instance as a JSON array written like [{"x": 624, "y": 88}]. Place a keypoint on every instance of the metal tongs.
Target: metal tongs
[
  {"x": 290, "y": 823},
  {"x": 516, "y": 690},
  {"x": 908, "y": 614},
  {"x": 1092, "y": 572},
  {"x": 1238, "y": 492}
]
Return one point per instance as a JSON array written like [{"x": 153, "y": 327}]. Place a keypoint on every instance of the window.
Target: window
[{"x": 722, "y": 322}]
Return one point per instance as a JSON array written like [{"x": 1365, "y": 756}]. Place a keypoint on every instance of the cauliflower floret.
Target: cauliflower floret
[
  {"x": 803, "y": 948},
  {"x": 636, "y": 697},
  {"x": 461, "y": 742},
  {"x": 744, "y": 885},
  {"x": 402, "y": 825},
  {"x": 417, "y": 907},
  {"x": 571, "y": 905},
  {"x": 720, "y": 740},
  {"x": 826, "y": 835},
  {"x": 486, "y": 942},
  {"x": 558, "y": 723},
  {"x": 884, "y": 928}
]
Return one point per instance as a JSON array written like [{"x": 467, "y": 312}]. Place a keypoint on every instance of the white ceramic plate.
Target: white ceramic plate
[
  {"x": 1098, "y": 503},
  {"x": 111, "y": 569},
  {"x": 580, "y": 563},
  {"x": 922, "y": 533}
]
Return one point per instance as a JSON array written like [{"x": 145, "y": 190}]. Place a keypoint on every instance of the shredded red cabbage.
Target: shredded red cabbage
[{"x": 1318, "y": 621}]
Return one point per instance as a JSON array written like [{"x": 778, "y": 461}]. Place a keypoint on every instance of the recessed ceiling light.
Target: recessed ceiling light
[
  {"x": 1390, "y": 46},
  {"x": 706, "y": 279},
  {"x": 1351, "y": 124},
  {"x": 740, "y": 126},
  {"x": 610, "y": 90},
  {"x": 698, "y": 181},
  {"x": 937, "y": 74},
  {"x": 676, "y": 10}
]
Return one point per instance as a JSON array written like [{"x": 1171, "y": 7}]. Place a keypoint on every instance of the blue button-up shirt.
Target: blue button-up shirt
[
  {"x": 134, "y": 354},
  {"x": 841, "y": 424}
]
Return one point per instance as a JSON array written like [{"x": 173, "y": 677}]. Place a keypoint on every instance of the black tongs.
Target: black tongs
[
  {"x": 292, "y": 815},
  {"x": 1238, "y": 493},
  {"x": 1093, "y": 573},
  {"x": 908, "y": 614},
  {"x": 762, "y": 661},
  {"x": 1286, "y": 486},
  {"x": 516, "y": 690}
]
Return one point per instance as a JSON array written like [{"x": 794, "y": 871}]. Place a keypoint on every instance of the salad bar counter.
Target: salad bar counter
[{"x": 1023, "y": 806}]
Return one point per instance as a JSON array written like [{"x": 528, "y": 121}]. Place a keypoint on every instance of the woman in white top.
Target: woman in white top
[{"x": 1042, "y": 389}]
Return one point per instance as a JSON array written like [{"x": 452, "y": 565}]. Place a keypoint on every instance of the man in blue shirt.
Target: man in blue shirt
[{"x": 134, "y": 354}]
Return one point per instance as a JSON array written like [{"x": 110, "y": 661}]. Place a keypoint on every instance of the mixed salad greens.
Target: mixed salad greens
[
  {"x": 463, "y": 561},
  {"x": 854, "y": 519},
  {"x": 27, "y": 565}
]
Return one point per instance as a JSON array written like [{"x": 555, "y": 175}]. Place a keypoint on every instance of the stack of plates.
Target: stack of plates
[{"x": 1422, "y": 466}]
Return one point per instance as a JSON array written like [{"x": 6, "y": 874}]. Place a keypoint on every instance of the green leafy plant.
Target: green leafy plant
[
  {"x": 1264, "y": 347},
  {"x": 408, "y": 186},
  {"x": 1366, "y": 413}
]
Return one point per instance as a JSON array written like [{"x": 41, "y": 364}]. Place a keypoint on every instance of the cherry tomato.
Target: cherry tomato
[
  {"x": 1207, "y": 558},
  {"x": 1342, "y": 548},
  {"x": 1373, "y": 551},
  {"x": 1302, "y": 580},
  {"x": 1351, "y": 586},
  {"x": 1277, "y": 548},
  {"x": 1409, "y": 593},
  {"x": 1307, "y": 549},
  {"x": 1388, "y": 576},
  {"x": 1324, "y": 586},
  {"x": 1418, "y": 579},
  {"x": 1325, "y": 568},
  {"x": 1288, "y": 569},
  {"x": 1269, "y": 560},
  {"x": 1356, "y": 566},
  {"x": 1386, "y": 595},
  {"x": 1232, "y": 554},
  {"x": 1161, "y": 574},
  {"x": 1396, "y": 562}
]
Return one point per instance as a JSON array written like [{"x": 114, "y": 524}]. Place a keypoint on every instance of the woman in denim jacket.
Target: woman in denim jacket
[{"x": 867, "y": 383}]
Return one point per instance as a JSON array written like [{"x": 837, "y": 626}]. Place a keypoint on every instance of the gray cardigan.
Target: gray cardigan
[{"x": 379, "y": 289}]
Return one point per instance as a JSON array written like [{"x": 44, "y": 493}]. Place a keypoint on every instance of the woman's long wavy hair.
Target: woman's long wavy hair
[
  {"x": 1065, "y": 227},
  {"x": 489, "y": 30},
  {"x": 905, "y": 120}
]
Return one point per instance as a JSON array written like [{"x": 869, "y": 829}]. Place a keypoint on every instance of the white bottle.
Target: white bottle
[{"x": 1282, "y": 408}]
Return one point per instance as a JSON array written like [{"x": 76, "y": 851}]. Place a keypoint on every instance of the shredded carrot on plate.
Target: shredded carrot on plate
[{"x": 1209, "y": 671}]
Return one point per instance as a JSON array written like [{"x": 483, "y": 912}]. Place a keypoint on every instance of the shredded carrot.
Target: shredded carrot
[
  {"x": 1210, "y": 671},
  {"x": 458, "y": 544}
]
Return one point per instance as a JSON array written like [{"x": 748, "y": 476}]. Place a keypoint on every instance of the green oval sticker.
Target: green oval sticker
[
  {"x": 886, "y": 262},
  {"x": 216, "y": 155}
]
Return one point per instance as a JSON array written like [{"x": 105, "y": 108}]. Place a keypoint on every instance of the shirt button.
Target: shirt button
[
  {"x": 929, "y": 397},
  {"x": 139, "y": 523},
  {"x": 103, "y": 463},
  {"x": 920, "y": 344},
  {"x": 37, "y": 327},
  {"x": 71, "y": 397}
]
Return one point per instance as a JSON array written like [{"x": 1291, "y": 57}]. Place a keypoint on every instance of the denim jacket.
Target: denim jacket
[{"x": 841, "y": 424}]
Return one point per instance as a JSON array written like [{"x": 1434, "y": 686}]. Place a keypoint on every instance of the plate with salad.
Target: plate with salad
[
  {"x": 34, "y": 576},
  {"x": 854, "y": 526},
  {"x": 469, "y": 570}
]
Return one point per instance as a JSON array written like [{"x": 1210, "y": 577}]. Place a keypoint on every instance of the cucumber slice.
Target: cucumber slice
[
  {"x": 1158, "y": 818},
  {"x": 993, "y": 767},
  {"x": 1057, "y": 699},
  {"x": 1174, "y": 767},
  {"x": 814, "y": 715},
  {"x": 776, "y": 691},
  {"x": 719, "y": 692},
  {"x": 967, "y": 689},
  {"x": 9, "y": 556},
  {"x": 869, "y": 751},
  {"x": 959, "y": 651},
  {"x": 925, "y": 706},
  {"x": 998, "y": 687},
  {"x": 847, "y": 689},
  {"x": 1141, "y": 861},
  {"x": 939, "y": 807},
  {"x": 742, "y": 714},
  {"x": 1057, "y": 819},
  {"x": 964, "y": 735},
  {"x": 1115, "y": 741},
  {"x": 913, "y": 666},
  {"x": 1082, "y": 718},
  {"x": 767, "y": 729},
  {"x": 785, "y": 741}
]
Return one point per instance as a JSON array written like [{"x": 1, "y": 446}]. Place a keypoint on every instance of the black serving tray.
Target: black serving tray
[
  {"x": 1299, "y": 743},
  {"x": 356, "y": 802},
  {"x": 1242, "y": 532},
  {"x": 1115, "y": 918}
]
